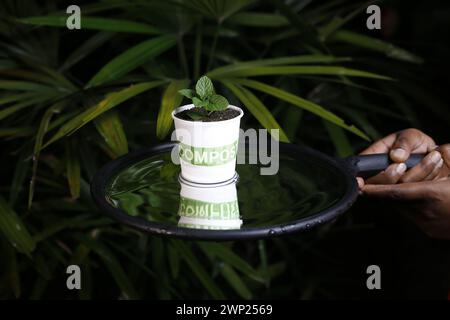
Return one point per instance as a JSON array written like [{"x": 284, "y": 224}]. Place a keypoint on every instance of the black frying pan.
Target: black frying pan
[{"x": 324, "y": 188}]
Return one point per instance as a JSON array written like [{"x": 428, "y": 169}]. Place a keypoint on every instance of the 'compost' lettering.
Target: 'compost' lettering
[
  {"x": 208, "y": 156},
  {"x": 208, "y": 210}
]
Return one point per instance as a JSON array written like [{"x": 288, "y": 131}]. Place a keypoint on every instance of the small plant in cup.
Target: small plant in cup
[
  {"x": 208, "y": 134},
  {"x": 208, "y": 105}
]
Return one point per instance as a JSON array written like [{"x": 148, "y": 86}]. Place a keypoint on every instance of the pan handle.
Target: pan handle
[{"x": 369, "y": 165}]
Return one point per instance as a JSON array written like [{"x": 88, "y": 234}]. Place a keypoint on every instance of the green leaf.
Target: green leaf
[
  {"x": 197, "y": 268},
  {"x": 219, "y": 10},
  {"x": 204, "y": 87},
  {"x": 136, "y": 259},
  {"x": 195, "y": 115},
  {"x": 227, "y": 255},
  {"x": 257, "y": 108},
  {"x": 14, "y": 230},
  {"x": 25, "y": 86},
  {"x": 337, "y": 22},
  {"x": 188, "y": 93},
  {"x": 78, "y": 221},
  {"x": 16, "y": 132},
  {"x": 17, "y": 97},
  {"x": 6, "y": 112},
  {"x": 263, "y": 269},
  {"x": 131, "y": 59},
  {"x": 301, "y": 103},
  {"x": 159, "y": 264},
  {"x": 73, "y": 168},
  {"x": 86, "y": 48},
  {"x": 43, "y": 127},
  {"x": 20, "y": 174},
  {"x": 341, "y": 143},
  {"x": 366, "y": 42},
  {"x": 106, "y": 104},
  {"x": 290, "y": 60},
  {"x": 11, "y": 269},
  {"x": 174, "y": 261},
  {"x": 258, "y": 19},
  {"x": 306, "y": 30},
  {"x": 112, "y": 264},
  {"x": 235, "y": 281},
  {"x": 307, "y": 70},
  {"x": 217, "y": 102},
  {"x": 291, "y": 122},
  {"x": 110, "y": 128},
  {"x": 130, "y": 202},
  {"x": 197, "y": 102},
  {"x": 170, "y": 101},
  {"x": 94, "y": 23}
]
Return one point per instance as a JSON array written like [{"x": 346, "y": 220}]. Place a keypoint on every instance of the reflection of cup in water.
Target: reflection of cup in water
[{"x": 212, "y": 206}]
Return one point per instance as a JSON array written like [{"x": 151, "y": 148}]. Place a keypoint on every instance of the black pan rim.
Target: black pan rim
[{"x": 102, "y": 177}]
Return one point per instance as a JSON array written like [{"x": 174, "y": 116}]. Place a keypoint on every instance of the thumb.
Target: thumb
[{"x": 405, "y": 142}]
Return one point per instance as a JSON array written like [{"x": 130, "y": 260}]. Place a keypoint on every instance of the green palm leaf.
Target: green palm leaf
[
  {"x": 366, "y": 42},
  {"x": 170, "y": 100},
  {"x": 235, "y": 281},
  {"x": 114, "y": 267},
  {"x": 43, "y": 127},
  {"x": 106, "y": 104},
  {"x": 14, "y": 230},
  {"x": 198, "y": 269},
  {"x": 131, "y": 59},
  {"x": 110, "y": 128},
  {"x": 301, "y": 103},
  {"x": 303, "y": 70},
  {"x": 86, "y": 48},
  {"x": 94, "y": 23},
  {"x": 73, "y": 168},
  {"x": 227, "y": 255},
  {"x": 257, "y": 108},
  {"x": 225, "y": 71},
  {"x": 258, "y": 19}
]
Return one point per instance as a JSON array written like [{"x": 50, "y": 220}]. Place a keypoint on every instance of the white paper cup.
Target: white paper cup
[
  {"x": 209, "y": 206},
  {"x": 207, "y": 149}
]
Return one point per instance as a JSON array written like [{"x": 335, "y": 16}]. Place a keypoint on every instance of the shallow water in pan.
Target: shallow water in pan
[{"x": 303, "y": 187}]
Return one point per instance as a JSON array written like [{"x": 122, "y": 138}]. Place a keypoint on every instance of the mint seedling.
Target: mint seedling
[{"x": 204, "y": 97}]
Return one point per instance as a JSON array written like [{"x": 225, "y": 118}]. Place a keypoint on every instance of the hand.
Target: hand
[
  {"x": 399, "y": 146},
  {"x": 427, "y": 203},
  {"x": 426, "y": 197}
]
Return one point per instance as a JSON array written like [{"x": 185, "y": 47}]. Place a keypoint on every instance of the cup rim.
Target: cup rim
[{"x": 209, "y": 123}]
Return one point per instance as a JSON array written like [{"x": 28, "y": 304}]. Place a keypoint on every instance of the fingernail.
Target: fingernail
[
  {"x": 435, "y": 157},
  {"x": 440, "y": 163},
  {"x": 398, "y": 153},
  {"x": 400, "y": 168},
  {"x": 360, "y": 182}
]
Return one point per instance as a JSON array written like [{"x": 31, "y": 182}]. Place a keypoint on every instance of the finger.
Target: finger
[
  {"x": 400, "y": 192},
  {"x": 391, "y": 175},
  {"x": 436, "y": 171},
  {"x": 406, "y": 141},
  {"x": 360, "y": 182},
  {"x": 425, "y": 167},
  {"x": 381, "y": 146},
  {"x": 445, "y": 152}
]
